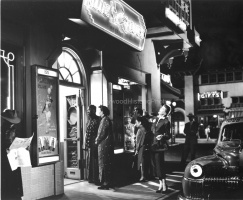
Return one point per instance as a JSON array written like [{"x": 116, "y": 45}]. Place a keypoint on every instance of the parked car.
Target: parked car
[{"x": 218, "y": 176}]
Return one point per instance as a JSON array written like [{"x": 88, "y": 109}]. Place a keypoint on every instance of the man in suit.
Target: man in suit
[{"x": 191, "y": 134}]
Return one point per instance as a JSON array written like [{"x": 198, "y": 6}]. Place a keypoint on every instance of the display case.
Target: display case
[{"x": 45, "y": 144}]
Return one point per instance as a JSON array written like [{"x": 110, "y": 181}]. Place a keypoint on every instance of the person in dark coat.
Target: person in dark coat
[
  {"x": 11, "y": 181},
  {"x": 139, "y": 151},
  {"x": 105, "y": 144},
  {"x": 92, "y": 149},
  {"x": 161, "y": 132},
  {"x": 191, "y": 133}
]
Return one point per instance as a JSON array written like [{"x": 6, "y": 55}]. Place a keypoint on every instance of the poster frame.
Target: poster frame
[{"x": 37, "y": 71}]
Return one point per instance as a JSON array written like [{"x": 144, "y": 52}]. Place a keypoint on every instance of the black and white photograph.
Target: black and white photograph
[{"x": 123, "y": 99}]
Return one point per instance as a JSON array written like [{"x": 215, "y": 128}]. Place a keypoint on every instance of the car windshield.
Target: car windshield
[{"x": 232, "y": 132}]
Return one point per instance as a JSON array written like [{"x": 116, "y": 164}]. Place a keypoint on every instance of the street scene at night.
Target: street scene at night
[{"x": 121, "y": 99}]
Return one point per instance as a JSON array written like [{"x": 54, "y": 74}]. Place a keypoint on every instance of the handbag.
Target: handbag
[{"x": 160, "y": 145}]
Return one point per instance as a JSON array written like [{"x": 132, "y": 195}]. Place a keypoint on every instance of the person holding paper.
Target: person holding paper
[{"x": 11, "y": 181}]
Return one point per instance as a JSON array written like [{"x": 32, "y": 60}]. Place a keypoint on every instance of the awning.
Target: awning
[
  {"x": 169, "y": 92},
  {"x": 115, "y": 71}
]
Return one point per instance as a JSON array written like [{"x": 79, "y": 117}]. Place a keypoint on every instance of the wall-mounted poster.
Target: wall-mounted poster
[{"x": 45, "y": 114}]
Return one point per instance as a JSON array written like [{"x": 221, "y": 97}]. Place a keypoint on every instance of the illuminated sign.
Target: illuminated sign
[
  {"x": 125, "y": 82},
  {"x": 214, "y": 94},
  {"x": 116, "y": 18}
]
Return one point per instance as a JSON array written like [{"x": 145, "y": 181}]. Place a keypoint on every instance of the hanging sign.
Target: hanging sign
[{"x": 117, "y": 19}]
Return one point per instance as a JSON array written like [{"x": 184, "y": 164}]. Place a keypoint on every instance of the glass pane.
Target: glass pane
[
  {"x": 212, "y": 78},
  {"x": 76, "y": 78},
  {"x": 229, "y": 76},
  {"x": 61, "y": 60},
  {"x": 73, "y": 67},
  {"x": 238, "y": 76},
  {"x": 204, "y": 78},
  {"x": 221, "y": 77},
  {"x": 67, "y": 60},
  {"x": 64, "y": 73}
]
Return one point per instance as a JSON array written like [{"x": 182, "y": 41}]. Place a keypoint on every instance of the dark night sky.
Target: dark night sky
[{"x": 220, "y": 24}]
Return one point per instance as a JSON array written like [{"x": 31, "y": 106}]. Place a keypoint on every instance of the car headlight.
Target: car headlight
[{"x": 196, "y": 170}]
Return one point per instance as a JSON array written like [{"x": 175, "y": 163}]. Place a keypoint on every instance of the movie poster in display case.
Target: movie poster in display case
[{"x": 45, "y": 86}]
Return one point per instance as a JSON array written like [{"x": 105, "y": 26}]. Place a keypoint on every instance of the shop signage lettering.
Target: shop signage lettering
[
  {"x": 214, "y": 94},
  {"x": 116, "y": 18}
]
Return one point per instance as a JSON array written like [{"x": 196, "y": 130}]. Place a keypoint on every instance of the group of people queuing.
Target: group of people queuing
[
  {"x": 99, "y": 146},
  {"x": 151, "y": 135}
]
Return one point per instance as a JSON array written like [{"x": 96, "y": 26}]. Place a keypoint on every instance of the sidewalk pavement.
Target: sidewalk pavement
[{"x": 132, "y": 190}]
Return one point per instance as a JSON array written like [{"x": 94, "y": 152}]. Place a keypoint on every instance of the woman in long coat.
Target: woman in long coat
[
  {"x": 140, "y": 145},
  {"x": 161, "y": 131},
  {"x": 104, "y": 141}
]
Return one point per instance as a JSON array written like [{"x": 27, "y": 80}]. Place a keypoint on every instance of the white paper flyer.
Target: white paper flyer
[{"x": 18, "y": 156}]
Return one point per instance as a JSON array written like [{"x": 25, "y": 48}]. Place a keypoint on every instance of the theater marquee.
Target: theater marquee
[{"x": 117, "y": 19}]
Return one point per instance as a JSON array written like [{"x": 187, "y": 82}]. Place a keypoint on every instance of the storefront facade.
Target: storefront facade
[{"x": 93, "y": 67}]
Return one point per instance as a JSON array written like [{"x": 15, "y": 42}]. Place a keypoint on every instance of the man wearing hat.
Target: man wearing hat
[
  {"x": 11, "y": 181},
  {"x": 191, "y": 134}
]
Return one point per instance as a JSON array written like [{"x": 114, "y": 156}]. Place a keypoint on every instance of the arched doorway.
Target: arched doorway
[{"x": 72, "y": 88}]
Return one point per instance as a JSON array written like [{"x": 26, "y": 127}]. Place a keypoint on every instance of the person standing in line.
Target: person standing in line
[
  {"x": 92, "y": 149},
  {"x": 191, "y": 134},
  {"x": 207, "y": 132},
  {"x": 104, "y": 140},
  {"x": 11, "y": 181},
  {"x": 139, "y": 151},
  {"x": 161, "y": 133}
]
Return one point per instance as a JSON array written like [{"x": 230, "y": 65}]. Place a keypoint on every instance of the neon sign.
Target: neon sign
[
  {"x": 214, "y": 94},
  {"x": 116, "y": 18},
  {"x": 7, "y": 59}
]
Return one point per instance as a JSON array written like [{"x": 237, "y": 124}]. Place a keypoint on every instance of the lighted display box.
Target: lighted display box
[{"x": 45, "y": 144}]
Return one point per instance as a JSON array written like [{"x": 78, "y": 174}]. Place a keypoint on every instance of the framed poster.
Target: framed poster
[{"x": 45, "y": 84}]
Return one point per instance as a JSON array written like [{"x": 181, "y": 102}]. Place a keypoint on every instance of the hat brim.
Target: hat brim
[{"x": 15, "y": 120}]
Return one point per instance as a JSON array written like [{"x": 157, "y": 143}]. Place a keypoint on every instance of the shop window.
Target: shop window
[
  {"x": 241, "y": 99},
  {"x": 221, "y": 77},
  {"x": 212, "y": 78},
  {"x": 217, "y": 101},
  {"x": 203, "y": 102},
  {"x": 225, "y": 94},
  {"x": 7, "y": 77},
  {"x": 210, "y": 101},
  {"x": 68, "y": 64},
  {"x": 229, "y": 76},
  {"x": 238, "y": 76},
  {"x": 204, "y": 78},
  {"x": 234, "y": 99}
]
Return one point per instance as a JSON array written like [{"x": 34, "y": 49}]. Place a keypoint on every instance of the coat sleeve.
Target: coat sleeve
[{"x": 167, "y": 130}]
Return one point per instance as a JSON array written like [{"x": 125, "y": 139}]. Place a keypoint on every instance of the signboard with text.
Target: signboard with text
[
  {"x": 213, "y": 94},
  {"x": 117, "y": 19}
]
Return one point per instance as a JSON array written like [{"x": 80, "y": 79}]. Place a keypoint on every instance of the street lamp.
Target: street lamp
[{"x": 173, "y": 105}]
